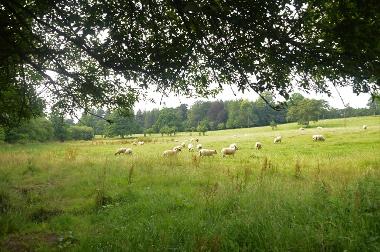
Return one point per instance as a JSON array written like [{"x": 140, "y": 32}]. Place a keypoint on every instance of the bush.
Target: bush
[
  {"x": 81, "y": 133},
  {"x": 37, "y": 129},
  {"x": 221, "y": 126}
]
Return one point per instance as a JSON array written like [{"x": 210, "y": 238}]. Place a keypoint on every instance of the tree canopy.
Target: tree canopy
[{"x": 84, "y": 54}]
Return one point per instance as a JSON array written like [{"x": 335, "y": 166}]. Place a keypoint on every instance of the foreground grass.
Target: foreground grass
[{"x": 297, "y": 195}]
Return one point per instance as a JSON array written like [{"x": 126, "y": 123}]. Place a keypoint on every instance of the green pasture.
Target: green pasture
[{"x": 298, "y": 195}]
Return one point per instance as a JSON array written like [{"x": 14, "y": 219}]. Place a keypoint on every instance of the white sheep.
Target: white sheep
[
  {"x": 124, "y": 151},
  {"x": 319, "y": 127},
  {"x": 207, "y": 152},
  {"x": 277, "y": 139},
  {"x": 140, "y": 143},
  {"x": 234, "y": 145},
  {"x": 190, "y": 147},
  {"x": 228, "y": 151},
  {"x": 199, "y": 146},
  {"x": 258, "y": 145},
  {"x": 318, "y": 138},
  {"x": 169, "y": 153},
  {"x": 365, "y": 127}
]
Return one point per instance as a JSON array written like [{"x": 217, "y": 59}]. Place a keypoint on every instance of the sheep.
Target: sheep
[
  {"x": 183, "y": 144},
  {"x": 365, "y": 127},
  {"x": 277, "y": 139},
  {"x": 234, "y": 145},
  {"x": 169, "y": 153},
  {"x": 228, "y": 151},
  {"x": 258, "y": 145},
  {"x": 140, "y": 143},
  {"x": 199, "y": 146},
  {"x": 190, "y": 147},
  {"x": 318, "y": 138},
  {"x": 207, "y": 152},
  {"x": 196, "y": 140},
  {"x": 124, "y": 151},
  {"x": 319, "y": 127},
  {"x": 302, "y": 128},
  {"x": 179, "y": 147}
]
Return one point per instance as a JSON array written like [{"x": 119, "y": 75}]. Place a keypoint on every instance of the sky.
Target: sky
[{"x": 355, "y": 101}]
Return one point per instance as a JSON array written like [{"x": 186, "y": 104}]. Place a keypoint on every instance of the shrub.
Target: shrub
[{"x": 81, "y": 133}]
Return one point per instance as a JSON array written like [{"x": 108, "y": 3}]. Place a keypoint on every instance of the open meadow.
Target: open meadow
[{"x": 297, "y": 195}]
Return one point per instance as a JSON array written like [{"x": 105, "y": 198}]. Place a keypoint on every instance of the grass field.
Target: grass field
[{"x": 299, "y": 195}]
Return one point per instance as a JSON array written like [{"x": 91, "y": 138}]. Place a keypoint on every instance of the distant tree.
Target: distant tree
[
  {"x": 202, "y": 127},
  {"x": 123, "y": 124},
  {"x": 164, "y": 130},
  {"x": 273, "y": 125},
  {"x": 233, "y": 110},
  {"x": 59, "y": 126},
  {"x": 221, "y": 126},
  {"x": 37, "y": 129},
  {"x": 168, "y": 117},
  {"x": 197, "y": 113},
  {"x": 150, "y": 118},
  {"x": 374, "y": 104},
  {"x": 149, "y": 131},
  {"x": 81, "y": 132},
  {"x": 139, "y": 118},
  {"x": 306, "y": 110}
]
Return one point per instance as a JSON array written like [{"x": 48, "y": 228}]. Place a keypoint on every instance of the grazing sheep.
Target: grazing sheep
[
  {"x": 190, "y": 147},
  {"x": 258, "y": 145},
  {"x": 318, "y": 138},
  {"x": 199, "y": 146},
  {"x": 319, "y": 127},
  {"x": 207, "y": 152},
  {"x": 124, "y": 151},
  {"x": 169, "y": 153},
  {"x": 234, "y": 145},
  {"x": 277, "y": 139},
  {"x": 302, "y": 128},
  {"x": 365, "y": 127},
  {"x": 140, "y": 143},
  {"x": 179, "y": 147},
  {"x": 228, "y": 151}
]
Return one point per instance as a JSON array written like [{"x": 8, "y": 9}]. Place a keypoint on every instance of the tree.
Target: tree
[
  {"x": 202, "y": 127},
  {"x": 273, "y": 125},
  {"x": 59, "y": 126},
  {"x": 167, "y": 117},
  {"x": 81, "y": 133},
  {"x": 306, "y": 110},
  {"x": 123, "y": 124},
  {"x": 149, "y": 131},
  {"x": 37, "y": 129},
  {"x": 98, "y": 56},
  {"x": 374, "y": 105}
]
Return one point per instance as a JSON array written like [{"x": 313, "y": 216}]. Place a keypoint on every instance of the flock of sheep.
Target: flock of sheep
[{"x": 210, "y": 152}]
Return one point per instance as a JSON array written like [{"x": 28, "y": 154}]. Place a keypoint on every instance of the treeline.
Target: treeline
[
  {"x": 200, "y": 117},
  {"x": 41, "y": 129},
  {"x": 218, "y": 115}
]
